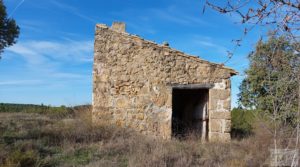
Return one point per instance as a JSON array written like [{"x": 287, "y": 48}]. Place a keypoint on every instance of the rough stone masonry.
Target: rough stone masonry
[{"x": 157, "y": 90}]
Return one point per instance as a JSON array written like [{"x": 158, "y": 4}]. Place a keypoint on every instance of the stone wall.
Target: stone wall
[{"x": 133, "y": 79}]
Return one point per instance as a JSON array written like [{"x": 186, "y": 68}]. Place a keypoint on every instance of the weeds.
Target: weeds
[{"x": 28, "y": 139}]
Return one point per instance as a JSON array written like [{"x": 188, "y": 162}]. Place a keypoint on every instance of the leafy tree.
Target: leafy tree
[
  {"x": 271, "y": 80},
  {"x": 9, "y": 30}
]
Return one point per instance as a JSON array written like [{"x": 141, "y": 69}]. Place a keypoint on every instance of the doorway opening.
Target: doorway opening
[{"x": 190, "y": 112}]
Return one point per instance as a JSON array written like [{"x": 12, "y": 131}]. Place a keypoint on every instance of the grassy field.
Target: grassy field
[{"x": 69, "y": 139}]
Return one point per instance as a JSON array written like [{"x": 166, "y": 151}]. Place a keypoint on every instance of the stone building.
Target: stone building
[{"x": 157, "y": 90}]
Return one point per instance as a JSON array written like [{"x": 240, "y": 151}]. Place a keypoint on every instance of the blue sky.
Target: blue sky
[{"x": 52, "y": 61}]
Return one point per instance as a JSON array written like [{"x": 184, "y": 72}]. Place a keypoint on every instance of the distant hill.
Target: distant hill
[{"x": 33, "y": 108}]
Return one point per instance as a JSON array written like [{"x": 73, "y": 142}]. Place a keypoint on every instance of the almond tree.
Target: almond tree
[{"x": 282, "y": 16}]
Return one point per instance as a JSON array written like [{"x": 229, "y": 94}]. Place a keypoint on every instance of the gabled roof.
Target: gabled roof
[{"x": 119, "y": 27}]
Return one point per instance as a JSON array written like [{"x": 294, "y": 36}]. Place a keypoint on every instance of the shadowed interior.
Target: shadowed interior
[{"x": 189, "y": 112}]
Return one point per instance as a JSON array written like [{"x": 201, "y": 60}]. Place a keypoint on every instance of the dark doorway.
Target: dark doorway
[{"x": 189, "y": 112}]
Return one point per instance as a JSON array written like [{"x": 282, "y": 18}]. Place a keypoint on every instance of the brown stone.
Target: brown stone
[
  {"x": 219, "y": 94},
  {"x": 227, "y": 126},
  {"x": 220, "y": 115},
  {"x": 103, "y": 78},
  {"x": 227, "y": 104},
  {"x": 216, "y": 125},
  {"x": 140, "y": 116},
  {"x": 120, "y": 123},
  {"x": 133, "y": 81},
  {"x": 215, "y": 136},
  {"x": 144, "y": 91},
  {"x": 122, "y": 103},
  {"x": 161, "y": 100}
]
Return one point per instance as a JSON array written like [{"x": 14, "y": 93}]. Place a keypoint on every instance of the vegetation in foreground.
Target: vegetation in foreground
[
  {"x": 33, "y": 135},
  {"x": 33, "y": 139}
]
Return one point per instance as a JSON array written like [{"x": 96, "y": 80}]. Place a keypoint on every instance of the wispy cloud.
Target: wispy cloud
[
  {"x": 66, "y": 75},
  {"x": 55, "y": 59},
  {"x": 20, "y": 82},
  {"x": 148, "y": 17},
  {"x": 41, "y": 52},
  {"x": 30, "y": 55},
  {"x": 173, "y": 14},
  {"x": 181, "y": 18},
  {"x": 16, "y": 8},
  {"x": 33, "y": 25},
  {"x": 207, "y": 42},
  {"x": 73, "y": 10},
  {"x": 138, "y": 27}
]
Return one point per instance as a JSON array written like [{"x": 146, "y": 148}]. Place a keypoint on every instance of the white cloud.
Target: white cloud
[
  {"x": 16, "y": 8},
  {"x": 29, "y": 54},
  {"x": 67, "y": 75},
  {"x": 173, "y": 14},
  {"x": 20, "y": 82},
  {"x": 48, "y": 52},
  {"x": 178, "y": 18},
  {"x": 73, "y": 10},
  {"x": 208, "y": 43},
  {"x": 55, "y": 59}
]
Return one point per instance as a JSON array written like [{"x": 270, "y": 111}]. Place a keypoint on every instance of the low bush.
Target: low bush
[
  {"x": 44, "y": 141},
  {"x": 242, "y": 122}
]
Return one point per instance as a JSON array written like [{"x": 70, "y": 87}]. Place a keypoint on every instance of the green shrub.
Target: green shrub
[
  {"x": 53, "y": 112},
  {"x": 242, "y": 122},
  {"x": 20, "y": 158},
  {"x": 78, "y": 156}
]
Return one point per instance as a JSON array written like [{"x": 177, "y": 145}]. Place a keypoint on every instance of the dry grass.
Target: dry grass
[{"x": 39, "y": 140}]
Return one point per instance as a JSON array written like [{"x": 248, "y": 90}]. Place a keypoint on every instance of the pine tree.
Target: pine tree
[
  {"x": 9, "y": 30},
  {"x": 271, "y": 79}
]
